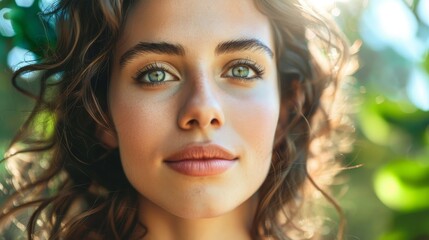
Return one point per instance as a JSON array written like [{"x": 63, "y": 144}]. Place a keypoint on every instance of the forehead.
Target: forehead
[{"x": 193, "y": 22}]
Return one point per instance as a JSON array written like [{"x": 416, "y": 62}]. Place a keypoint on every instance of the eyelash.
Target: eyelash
[
  {"x": 258, "y": 69},
  {"x": 148, "y": 69}
]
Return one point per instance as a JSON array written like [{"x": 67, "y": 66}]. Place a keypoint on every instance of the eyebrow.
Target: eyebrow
[
  {"x": 243, "y": 44},
  {"x": 177, "y": 49},
  {"x": 151, "y": 47}
]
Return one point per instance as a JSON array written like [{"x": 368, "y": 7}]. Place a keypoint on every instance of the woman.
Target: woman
[{"x": 181, "y": 119}]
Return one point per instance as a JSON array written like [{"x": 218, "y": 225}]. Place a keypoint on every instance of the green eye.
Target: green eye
[
  {"x": 241, "y": 71},
  {"x": 156, "y": 73},
  {"x": 155, "y": 76}
]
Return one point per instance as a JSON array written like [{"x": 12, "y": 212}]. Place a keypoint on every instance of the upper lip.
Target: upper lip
[{"x": 202, "y": 152}]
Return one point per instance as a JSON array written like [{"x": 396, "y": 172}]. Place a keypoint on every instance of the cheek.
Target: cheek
[
  {"x": 256, "y": 123},
  {"x": 136, "y": 116},
  {"x": 132, "y": 121},
  {"x": 136, "y": 121}
]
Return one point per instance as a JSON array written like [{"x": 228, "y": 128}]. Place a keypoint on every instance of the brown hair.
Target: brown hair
[{"x": 75, "y": 186}]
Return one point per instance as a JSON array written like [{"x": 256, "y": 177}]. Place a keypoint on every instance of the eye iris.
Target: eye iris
[
  {"x": 240, "y": 71},
  {"x": 156, "y": 76}
]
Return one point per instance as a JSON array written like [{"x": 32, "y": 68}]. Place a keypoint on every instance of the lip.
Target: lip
[{"x": 201, "y": 160}]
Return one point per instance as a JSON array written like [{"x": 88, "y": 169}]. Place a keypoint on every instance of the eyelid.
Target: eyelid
[
  {"x": 164, "y": 66},
  {"x": 257, "y": 68}
]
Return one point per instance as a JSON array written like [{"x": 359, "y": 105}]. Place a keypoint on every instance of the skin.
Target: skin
[{"x": 202, "y": 104}]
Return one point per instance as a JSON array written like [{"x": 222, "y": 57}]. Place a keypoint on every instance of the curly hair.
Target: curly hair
[{"x": 75, "y": 186}]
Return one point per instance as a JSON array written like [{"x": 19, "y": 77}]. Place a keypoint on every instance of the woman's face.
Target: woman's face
[{"x": 195, "y": 103}]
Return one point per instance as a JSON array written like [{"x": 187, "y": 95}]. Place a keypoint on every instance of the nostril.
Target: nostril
[
  {"x": 193, "y": 122},
  {"x": 214, "y": 122}
]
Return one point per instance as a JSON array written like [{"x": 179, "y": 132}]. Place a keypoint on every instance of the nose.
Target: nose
[{"x": 201, "y": 108}]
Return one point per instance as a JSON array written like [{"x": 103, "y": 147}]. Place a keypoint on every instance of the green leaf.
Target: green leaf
[{"x": 403, "y": 185}]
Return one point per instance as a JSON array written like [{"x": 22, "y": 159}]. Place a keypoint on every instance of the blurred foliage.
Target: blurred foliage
[{"x": 388, "y": 198}]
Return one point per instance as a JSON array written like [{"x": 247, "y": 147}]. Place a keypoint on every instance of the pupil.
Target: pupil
[
  {"x": 240, "y": 71},
  {"x": 156, "y": 76}
]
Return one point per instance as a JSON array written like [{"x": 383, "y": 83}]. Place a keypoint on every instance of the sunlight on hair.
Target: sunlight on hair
[
  {"x": 328, "y": 5},
  {"x": 12, "y": 151}
]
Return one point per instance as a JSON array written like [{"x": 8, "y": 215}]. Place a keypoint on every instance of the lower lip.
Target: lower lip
[{"x": 200, "y": 168}]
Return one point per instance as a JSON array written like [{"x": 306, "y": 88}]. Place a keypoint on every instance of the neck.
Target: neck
[{"x": 234, "y": 225}]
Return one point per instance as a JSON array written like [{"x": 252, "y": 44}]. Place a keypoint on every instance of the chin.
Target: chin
[{"x": 203, "y": 210}]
